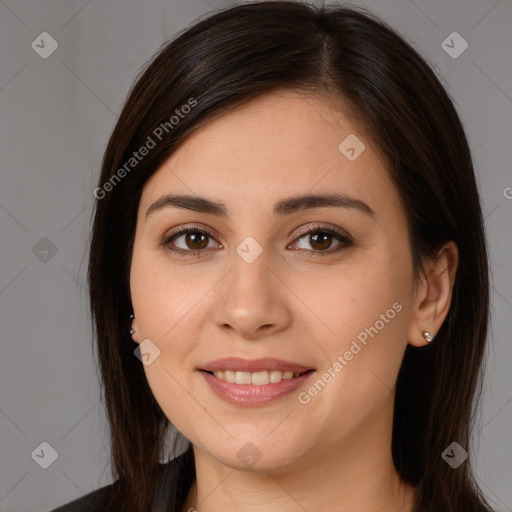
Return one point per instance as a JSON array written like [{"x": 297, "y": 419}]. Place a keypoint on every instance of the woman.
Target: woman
[{"x": 288, "y": 265}]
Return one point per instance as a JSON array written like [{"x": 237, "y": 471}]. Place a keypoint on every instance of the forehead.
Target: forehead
[{"x": 281, "y": 143}]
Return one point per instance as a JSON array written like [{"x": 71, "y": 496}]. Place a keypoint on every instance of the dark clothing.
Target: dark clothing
[{"x": 176, "y": 478}]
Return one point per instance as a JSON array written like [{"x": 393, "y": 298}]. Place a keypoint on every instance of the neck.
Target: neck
[{"x": 356, "y": 474}]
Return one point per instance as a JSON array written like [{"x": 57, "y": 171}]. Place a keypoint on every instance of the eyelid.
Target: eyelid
[
  {"x": 183, "y": 230},
  {"x": 321, "y": 227},
  {"x": 343, "y": 237},
  {"x": 190, "y": 227}
]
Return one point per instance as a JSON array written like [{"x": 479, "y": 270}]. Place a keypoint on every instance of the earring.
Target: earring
[
  {"x": 428, "y": 337},
  {"x": 132, "y": 330}
]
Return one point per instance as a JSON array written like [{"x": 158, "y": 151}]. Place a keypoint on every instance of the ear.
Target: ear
[
  {"x": 135, "y": 336},
  {"x": 434, "y": 294}
]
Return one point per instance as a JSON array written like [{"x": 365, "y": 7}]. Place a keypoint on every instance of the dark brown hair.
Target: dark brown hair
[{"x": 342, "y": 52}]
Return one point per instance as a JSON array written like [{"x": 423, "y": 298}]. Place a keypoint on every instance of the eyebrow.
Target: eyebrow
[{"x": 284, "y": 207}]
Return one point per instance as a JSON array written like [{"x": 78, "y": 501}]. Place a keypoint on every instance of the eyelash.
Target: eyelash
[{"x": 344, "y": 239}]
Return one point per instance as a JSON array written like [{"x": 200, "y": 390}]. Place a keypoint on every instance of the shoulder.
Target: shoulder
[
  {"x": 96, "y": 500},
  {"x": 176, "y": 477}
]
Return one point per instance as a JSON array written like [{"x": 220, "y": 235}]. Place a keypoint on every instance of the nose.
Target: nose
[{"x": 253, "y": 300}]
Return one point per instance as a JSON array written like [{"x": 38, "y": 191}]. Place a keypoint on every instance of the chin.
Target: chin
[{"x": 258, "y": 456}]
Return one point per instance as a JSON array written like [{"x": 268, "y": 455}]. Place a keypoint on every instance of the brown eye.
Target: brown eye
[
  {"x": 320, "y": 241},
  {"x": 193, "y": 241},
  {"x": 196, "y": 240},
  {"x": 188, "y": 241}
]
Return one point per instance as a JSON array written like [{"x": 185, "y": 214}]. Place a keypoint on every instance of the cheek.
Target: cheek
[
  {"x": 367, "y": 310},
  {"x": 365, "y": 301},
  {"x": 166, "y": 301},
  {"x": 163, "y": 295}
]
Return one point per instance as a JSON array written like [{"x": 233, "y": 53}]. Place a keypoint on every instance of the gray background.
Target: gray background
[{"x": 56, "y": 115}]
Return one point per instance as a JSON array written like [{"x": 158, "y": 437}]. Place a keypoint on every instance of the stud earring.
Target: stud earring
[
  {"x": 132, "y": 330},
  {"x": 428, "y": 337}
]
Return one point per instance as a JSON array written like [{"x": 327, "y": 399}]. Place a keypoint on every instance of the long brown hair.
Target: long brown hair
[{"x": 346, "y": 52}]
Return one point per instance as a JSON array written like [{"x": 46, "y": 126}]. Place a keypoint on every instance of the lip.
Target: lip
[
  {"x": 251, "y": 395},
  {"x": 239, "y": 364}
]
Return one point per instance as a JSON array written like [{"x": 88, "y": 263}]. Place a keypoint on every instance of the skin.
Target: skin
[{"x": 335, "y": 451}]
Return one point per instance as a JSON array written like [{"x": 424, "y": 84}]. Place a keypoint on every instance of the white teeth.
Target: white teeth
[
  {"x": 257, "y": 378},
  {"x": 243, "y": 377},
  {"x": 229, "y": 376},
  {"x": 275, "y": 376}
]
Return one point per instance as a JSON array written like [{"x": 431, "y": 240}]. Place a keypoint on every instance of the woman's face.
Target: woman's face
[{"x": 251, "y": 283}]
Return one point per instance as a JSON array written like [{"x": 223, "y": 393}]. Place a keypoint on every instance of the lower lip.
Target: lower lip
[{"x": 251, "y": 395}]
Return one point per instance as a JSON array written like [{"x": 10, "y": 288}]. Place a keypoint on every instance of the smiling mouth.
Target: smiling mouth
[{"x": 260, "y": 378}]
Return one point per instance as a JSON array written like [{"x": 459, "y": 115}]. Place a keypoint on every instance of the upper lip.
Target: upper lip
[{"x": 253, "y": 365}]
